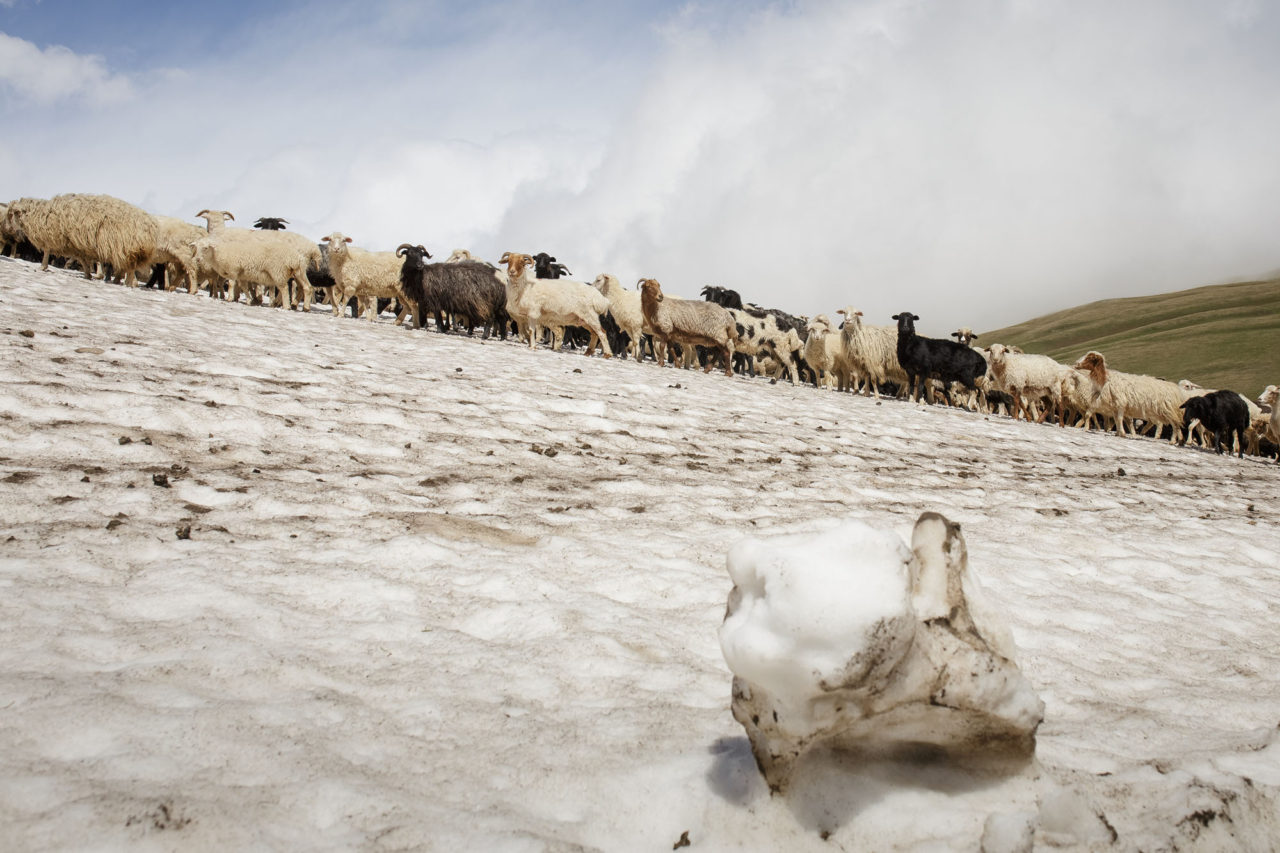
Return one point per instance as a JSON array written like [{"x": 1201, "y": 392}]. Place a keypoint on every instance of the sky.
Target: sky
[{"x": 977, "y": 163}]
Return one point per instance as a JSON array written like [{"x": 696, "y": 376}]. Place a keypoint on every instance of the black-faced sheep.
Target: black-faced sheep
[{"x": 722, "y": 296}]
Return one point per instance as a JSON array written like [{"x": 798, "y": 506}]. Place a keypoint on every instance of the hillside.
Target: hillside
[
  {"x": 1221, "y": 336},
  {"x": 273, "y": 580}
]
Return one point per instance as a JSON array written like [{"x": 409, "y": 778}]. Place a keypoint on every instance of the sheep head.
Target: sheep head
[
  {"x": 651, "y": 288},
  {"x": 1095, "y": 365},
  {"x": 406, "y": 248},
  {"x": 271, "y": 223},
  {"x": 964, "y": 335},
  {"x": 209, "y": 214},
  {"x": 516, "y": 263},
  {"x": 906, "y": 321},
  {"x": 850, "y": 315}
]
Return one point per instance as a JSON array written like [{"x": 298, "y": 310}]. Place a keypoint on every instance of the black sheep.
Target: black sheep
[
  {"x": 468, "y": 290},
  {"x": 933, "y": 358},
  {"x": 722, "y": 296},
  {"x": 1221, "y": 413},
  {"x": 545, "y": 266},
  {"x": 271, "y": 223}
]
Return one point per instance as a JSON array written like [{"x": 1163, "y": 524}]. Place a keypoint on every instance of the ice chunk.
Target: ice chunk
[{"x": 847, "y": 638}]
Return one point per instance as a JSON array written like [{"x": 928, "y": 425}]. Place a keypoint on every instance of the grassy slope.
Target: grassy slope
[{"x": 1223, "y": 336}]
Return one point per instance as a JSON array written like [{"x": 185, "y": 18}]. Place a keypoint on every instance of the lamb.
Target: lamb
[
  {"x": 1027, "y": 378},
  {"x": 688, "y": 322},
  {"x": 757, "y": 334},
  {"x": 1222, "y": 413},
  {"x": 263, "y": 257},
  {"x": 1124, "y": 396},
  {"x": 466, "y": 289},
  {"x": 553, "y": 303},
  {"x": 824, "y": 353},
  {"x": 872, "y": 352},
  {"x": 366, "y": 276},
  {"x": 624, "y": 307},
  {"x": 933, "y": 358}
]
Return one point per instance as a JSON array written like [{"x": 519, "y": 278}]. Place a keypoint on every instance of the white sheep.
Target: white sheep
[
  {"x": 1026, "y": 378},
  {"x": 824, "y": 353},
  {"x": 553, "y": 303},
  {"x": 173, "y": 248},
  {"x": 268, "y": 258},
  {"x": 367, "y": 276},
  {"x": 624, "y": 307},
  {"x": 689, "y": 323},
  {"x": 88, "y": 229},
  {"x": 1124, "y": 396},
  {"x": 872, "y": 352}
]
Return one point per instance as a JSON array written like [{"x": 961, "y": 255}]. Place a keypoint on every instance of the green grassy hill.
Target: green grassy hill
[{"x": 1223, "y": 336}]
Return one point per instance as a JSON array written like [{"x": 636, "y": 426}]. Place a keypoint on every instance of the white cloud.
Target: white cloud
[{"x": 57, "y": 73}]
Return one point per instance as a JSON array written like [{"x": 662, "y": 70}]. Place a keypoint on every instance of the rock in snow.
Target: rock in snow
[{"x": 848, "y": 639}]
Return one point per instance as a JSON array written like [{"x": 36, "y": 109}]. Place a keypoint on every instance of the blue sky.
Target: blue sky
[{"x": 976, "y": 162}]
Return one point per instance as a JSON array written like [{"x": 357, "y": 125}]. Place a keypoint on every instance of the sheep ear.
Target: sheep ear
[
  {"x": 324, "y": 239},
  {"x": 894, "y": 317},
  {"x": 973, "y": 337},
  {"x": 348, "y": 239},
  {"x": 915, "y": 317},
  {"x": 955, "y": 334}
]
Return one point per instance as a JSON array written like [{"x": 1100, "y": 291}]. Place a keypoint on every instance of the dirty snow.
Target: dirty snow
[{"x": 441, "y": 593}]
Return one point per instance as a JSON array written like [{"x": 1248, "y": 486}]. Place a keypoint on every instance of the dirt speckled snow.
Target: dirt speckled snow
[{"x": 272, "y": 580}]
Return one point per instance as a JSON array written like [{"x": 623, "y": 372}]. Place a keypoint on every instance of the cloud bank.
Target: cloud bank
[{"x": 978, "y": 164}]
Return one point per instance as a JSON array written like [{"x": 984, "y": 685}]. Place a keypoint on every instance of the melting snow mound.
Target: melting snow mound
[{"x": 848, "y": 639}]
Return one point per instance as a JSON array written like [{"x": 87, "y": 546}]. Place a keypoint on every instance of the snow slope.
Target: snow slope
[{"x": 448, "y": 594}]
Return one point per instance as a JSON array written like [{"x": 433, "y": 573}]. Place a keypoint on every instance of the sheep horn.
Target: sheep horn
[
  {"x": 506, "y": 258},
  {"x": 201, "y": 213},
  {"x": 423, "y": 249},
  {"x": 400, "y": 250},
  {"x": 229, "y": 216}
]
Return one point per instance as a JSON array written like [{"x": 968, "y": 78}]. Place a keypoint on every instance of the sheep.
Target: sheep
[
  {"x": 459, "y": 255},
  {"x": 688, "y": 322},
  {"x": 1222, "y": 413},
  {"x": 263, "y": 257},
  {"x": 173, "y": 248},
  {"x": 8, "y": 236},
  {"x": 624, "y": 307},
  {"x": 1124, "y": 396},
  {"x": 1270, "y": 397},
  {"x": 48, "y": 228},
  {"x": 872, "y": 352},
  {"x": 1191, "y": 389},
  {"x": 1026, "y": 378},
  {"x": 466, "y": 289},
  {"x": 824, "y": 353},
  {"x": 110, "y": 231},
  {"x": 545, "y": 266},
  {"x": 757, "y": 334},
  {"x": 553, "y": 303},
  {"x": 270, "y": 223},
  {"x": 366, "y": 276},
  {"x": 933, "y": 358},
  {"x": 965, "y": 335}
]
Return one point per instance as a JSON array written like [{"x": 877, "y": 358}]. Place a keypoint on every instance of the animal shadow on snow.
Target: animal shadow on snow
[{"x": 830, "y": 788}]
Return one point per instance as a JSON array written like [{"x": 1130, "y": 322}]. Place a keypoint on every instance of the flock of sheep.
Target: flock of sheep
[{"x": 107, "y": 236}]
